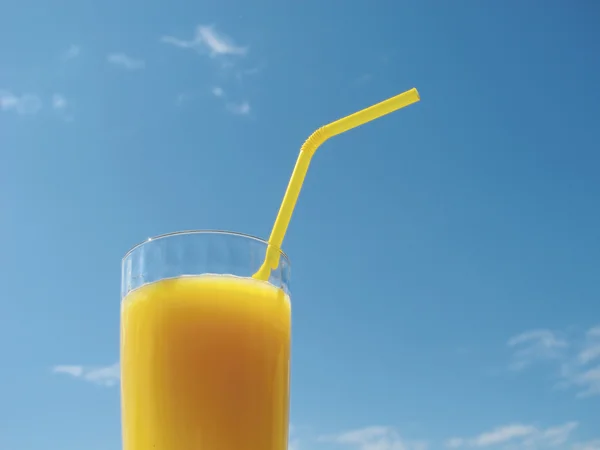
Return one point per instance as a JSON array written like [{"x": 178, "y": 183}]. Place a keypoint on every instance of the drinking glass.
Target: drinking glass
[{"x": 205, "y": 348}]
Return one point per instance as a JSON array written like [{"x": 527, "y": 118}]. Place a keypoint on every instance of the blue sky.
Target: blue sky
[{"x": 445, "y": 258}]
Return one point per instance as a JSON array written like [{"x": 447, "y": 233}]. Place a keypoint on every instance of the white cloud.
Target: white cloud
[
  {"x": 293, "y": 442},
  {"x": 249, "y": 72},
  {"x": 363, "y": 79},
  {"x": 590, "y": 445},
  {"x": 536, "y": 345},
  {"x": 237, "y": 108},
  {"x": 502, "y": 434},
  {"x": 575, "y": 357},
  {"x": 591, "y": 347},
  {"x": 588, "y": 380},
  {"x": 217, "y": 45},
  {"x": 519, "y": 435},
  {"x": 493, "y": 437},
  {"x": 594, "y": 332},
  {"x": 74, "y": 371},
  {"x": 584, "y": 376},
  {"x": 25, "y": 104},
  {"x": 514, "y": 436},
  {"x": 72, "y": 52},
  {"x": 375, "y": 438},
  {"x": 183, "y": 97},
  {"x": 590, "y": 353},
  {"x": 455, "y": 442},
  {"x": 551, "y": 437},
  {"x": 206, "y": 38},
  {"x": 62, "y": 107},
  {"x": 242, "y": 108},
  {"x": 127, "y": 62},
  {"x": 59, "y": 102},
  {"x": 104, "y": 376}
]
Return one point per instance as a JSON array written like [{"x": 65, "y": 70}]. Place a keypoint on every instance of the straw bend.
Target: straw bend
[
  {"x": 308, "y": 149},
  {"x": 315, "y": 140}
]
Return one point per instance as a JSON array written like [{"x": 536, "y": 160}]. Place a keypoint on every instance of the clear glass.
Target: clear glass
[{"x": 205, "y": 349}]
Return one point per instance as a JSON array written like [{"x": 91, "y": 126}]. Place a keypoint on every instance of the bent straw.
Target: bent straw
[{"x": 307, "y": 150}]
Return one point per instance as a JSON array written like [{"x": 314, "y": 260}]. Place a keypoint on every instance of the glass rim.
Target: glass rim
[{"x": 215, "y": 232}]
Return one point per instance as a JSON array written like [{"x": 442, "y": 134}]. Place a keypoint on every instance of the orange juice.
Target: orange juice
[{"x": 205, "y": 365}]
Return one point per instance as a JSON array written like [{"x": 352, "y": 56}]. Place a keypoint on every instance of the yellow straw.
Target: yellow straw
[{"x": 307, "y": 150}]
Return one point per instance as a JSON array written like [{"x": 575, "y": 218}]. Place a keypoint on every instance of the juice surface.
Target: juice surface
[{"x": 205, "y": 365}]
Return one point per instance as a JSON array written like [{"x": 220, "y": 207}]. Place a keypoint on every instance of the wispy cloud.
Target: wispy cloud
[
  {"x": 237, "y": 108},
  {"x": 591, "y": 349},
  {"x": 590, "y": 445},
  {"x": 594, "y": 332},
  {"x": 207, "y": 39},
  {"x": 72, "y": 52},
  {"x": 223, "y": 49},
  {"x": 522, "y": 436},
  {"x": 588, "y": 359},
  {"x": 534, "y": 346},
  {"x": 74, "y": 371},
  {"x": 374, "y": 438},
  {"x": 363, "y": 79},
  {"x": 587, "y": 380},
  {"x": 249, "y": 72},
  {"x": 293, "y": 442},
  {"x": 126, "y": 62},
  {"x": 25, "y": 104},
  {"x": 59, "y": 102},
  {"x": 577, "y": 358},
  {"x": 62, "y": 107},
  {"x": 242, "y": 108},
  {"x": 104, "y": 376},
  {"x": 455, "y": 442}
]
